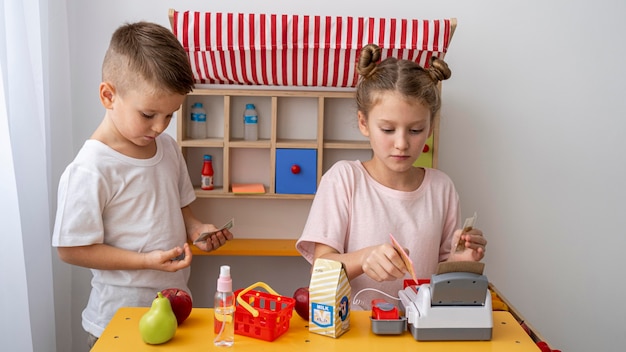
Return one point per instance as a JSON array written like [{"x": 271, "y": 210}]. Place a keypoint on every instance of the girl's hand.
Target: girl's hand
[
  {"x": 475, "y": 244},
  {"x": 383, "y": 263},
  {"x": 171, "y": 260}
]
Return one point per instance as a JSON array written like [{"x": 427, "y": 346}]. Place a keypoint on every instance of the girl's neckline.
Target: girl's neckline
[{"x": 418, "y": 179}]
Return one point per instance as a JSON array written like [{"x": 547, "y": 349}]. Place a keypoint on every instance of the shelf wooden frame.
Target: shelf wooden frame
[
  {"x": 267, "y": 247},
  {"x": 253, "y": 247}
]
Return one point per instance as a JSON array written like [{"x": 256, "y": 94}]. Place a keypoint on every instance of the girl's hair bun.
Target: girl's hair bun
[
  {"x": 438, "y": 70},
  {"x": 368, "y": 59}
]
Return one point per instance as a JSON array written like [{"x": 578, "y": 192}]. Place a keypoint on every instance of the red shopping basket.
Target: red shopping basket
[{"x": 262, "y": 315}]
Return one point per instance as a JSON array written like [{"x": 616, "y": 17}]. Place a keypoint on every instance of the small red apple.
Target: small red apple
[
  {"x": 302, "y": 302},
  {"x": 181, "y": 303}
]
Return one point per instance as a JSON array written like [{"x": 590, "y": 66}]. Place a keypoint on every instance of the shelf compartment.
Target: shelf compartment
[
  {"x": 300, "y": 181},
  {"x": 194, "y": 159},
  {"x": 250, "y": 165},
  {"x": 297, "y": 117}
]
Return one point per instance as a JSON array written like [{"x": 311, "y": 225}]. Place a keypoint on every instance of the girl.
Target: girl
[{"x": 358, "y": 203}]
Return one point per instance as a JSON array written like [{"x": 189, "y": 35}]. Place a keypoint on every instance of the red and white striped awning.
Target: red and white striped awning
[{"x": 297, "y": 50}]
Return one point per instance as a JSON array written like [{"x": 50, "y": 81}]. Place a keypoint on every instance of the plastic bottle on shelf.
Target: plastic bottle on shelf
[
  {"x": 198, "y": 122},
  {"x": 207, "y": 173},
  {"x": 250, "y": 123},
  {"x": 224, "y": 309}
]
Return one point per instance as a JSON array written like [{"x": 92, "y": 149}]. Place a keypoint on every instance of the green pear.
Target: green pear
[{"x": 158, "y": 325}]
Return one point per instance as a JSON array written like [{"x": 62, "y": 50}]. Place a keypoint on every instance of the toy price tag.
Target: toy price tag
[
  {"x": 405, "y": 257},
  {"x": 468, "y": 225}
]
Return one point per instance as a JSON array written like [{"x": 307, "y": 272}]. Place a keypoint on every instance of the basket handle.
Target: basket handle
[{"x": 249, "y": 308}]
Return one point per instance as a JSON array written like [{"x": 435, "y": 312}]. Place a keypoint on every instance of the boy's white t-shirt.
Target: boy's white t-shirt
[
  {"x": 134, "y": 204},
  {"x": 352, "y": 211}
]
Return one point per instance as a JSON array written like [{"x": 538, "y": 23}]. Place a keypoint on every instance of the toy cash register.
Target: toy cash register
[{"x": 455, "y": 305}]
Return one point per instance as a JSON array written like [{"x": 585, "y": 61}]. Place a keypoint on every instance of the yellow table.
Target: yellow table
[{"x": 195, "y": 334}]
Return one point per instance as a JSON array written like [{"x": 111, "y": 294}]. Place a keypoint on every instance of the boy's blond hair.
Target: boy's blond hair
[{"x": 147, "y": 52}]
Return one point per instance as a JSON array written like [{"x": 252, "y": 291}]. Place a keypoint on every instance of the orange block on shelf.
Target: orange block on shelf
[{"x": 248, "y": 188}]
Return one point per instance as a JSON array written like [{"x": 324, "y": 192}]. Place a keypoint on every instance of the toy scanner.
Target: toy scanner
[{"x": 454, "y": 306}]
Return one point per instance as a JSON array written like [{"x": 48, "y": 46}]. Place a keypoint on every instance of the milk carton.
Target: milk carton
[{"x": 329, "y": 298}]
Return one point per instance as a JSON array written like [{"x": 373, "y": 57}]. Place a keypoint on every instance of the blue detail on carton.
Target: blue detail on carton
[
  {"x": 322, "y": 315},
  {"x": 345, "y": 308}
]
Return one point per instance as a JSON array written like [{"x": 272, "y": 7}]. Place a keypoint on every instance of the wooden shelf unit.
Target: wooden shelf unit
[
  {"x": 320, "y": 120},
  {"x": 229, "y": 139}
]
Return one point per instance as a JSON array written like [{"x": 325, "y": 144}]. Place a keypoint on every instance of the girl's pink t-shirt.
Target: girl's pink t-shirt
[{"x": 352, "y": 211}]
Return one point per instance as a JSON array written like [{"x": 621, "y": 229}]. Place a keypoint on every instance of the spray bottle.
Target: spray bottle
[{"x": 224, "y": 322}]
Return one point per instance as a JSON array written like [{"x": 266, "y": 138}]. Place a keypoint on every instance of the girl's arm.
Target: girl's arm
[{"x": 381, "y": 262}]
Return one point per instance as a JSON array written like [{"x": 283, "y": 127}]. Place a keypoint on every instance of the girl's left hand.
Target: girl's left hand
[{"x": 475, "y": 244}]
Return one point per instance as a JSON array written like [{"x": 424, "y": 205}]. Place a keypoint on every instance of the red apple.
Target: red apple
[
  {"x": 181, "y": 303},
  {"x": 302, "y": 302}
]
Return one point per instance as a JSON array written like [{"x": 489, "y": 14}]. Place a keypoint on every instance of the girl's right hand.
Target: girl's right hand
[{"x": 383, "y": 263}]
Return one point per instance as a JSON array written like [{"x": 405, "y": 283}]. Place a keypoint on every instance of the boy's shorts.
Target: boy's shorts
[{"x": 91, "y": 340}]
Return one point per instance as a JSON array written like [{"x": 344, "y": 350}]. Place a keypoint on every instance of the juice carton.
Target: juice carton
[{"x": 329, "y": 298}]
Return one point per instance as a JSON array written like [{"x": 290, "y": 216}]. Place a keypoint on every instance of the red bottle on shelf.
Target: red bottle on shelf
[{"x": 207, "y": 174}]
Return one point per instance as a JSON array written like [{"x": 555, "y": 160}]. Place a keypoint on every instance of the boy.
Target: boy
[{"x": 123, "y": 203}]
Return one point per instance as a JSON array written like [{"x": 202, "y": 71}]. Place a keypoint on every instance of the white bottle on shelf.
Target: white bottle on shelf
[
  {"x": 250, "y": 123},
  {"x": 198, "y": 122}
]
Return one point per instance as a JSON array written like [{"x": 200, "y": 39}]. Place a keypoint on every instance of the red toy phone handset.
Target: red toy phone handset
[{"x": 383, "y": 310}]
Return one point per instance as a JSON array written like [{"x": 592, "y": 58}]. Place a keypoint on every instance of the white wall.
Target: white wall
[{"x": 530, "y": 133}]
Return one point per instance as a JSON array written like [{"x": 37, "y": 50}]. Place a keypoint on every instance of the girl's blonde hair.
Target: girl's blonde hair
[{"x": 402, "y": 76}]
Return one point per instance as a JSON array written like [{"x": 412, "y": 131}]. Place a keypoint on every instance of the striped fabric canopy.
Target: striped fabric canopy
[{"x": 297, "y": 50}]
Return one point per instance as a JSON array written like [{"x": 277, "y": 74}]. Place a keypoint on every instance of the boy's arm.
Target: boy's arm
[
  {"x": 195, "y": 227},
  {"x": 106, "y": 257}
]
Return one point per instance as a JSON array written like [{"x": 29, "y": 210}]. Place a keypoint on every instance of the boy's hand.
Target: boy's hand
[
  {"x": 215, "y": 241},
  {"x": 171, "y": 260},
  {"x": 474, "y": 242}
]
